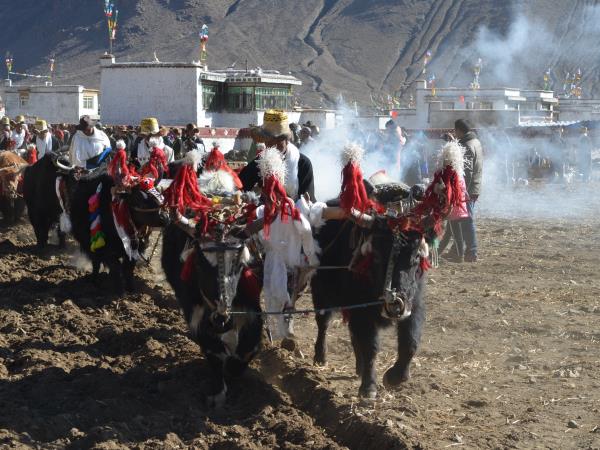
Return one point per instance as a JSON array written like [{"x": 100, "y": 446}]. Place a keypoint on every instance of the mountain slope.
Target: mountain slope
[{"x": 356, "y": 48}]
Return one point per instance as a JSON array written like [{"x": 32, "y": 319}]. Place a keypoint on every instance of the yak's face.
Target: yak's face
[
  {"x": 146, "y": 208},
  {"x": 220, "y": 265},
  {"x": 397, "y": 268}
]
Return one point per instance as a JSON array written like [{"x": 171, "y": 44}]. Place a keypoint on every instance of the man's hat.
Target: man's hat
[
  {"x": 149, "y": 126},
  {"x": 40, "y": 125},
  {"x": 5, "y": 120},
  {"x": 275, "y": 126},
  {"x": 86, "y": 122},
  {"x": 20, "y": 119}
]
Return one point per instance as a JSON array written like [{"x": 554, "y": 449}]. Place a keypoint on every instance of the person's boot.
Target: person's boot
[{"x": 471, "y": 258}]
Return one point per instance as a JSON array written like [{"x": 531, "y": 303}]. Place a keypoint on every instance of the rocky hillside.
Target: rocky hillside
[{"x": 353, "y": 48}]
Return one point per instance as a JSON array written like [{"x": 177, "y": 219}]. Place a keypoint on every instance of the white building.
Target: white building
[
  {"x": 506, "y": 107},
  {"x": 180, "y": 93},
  {"x": 575, "y": 109},
  {"x": 55, "y": 104}
]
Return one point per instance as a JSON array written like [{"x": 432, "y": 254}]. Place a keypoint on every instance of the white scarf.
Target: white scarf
[
  {"x": 18, "y": 137},
  {"x": 292, "y": 156},
  {"x": 144, "y": 149},
  {"x": 43, "y": 145},
  {"x": 84, "y": 147}
]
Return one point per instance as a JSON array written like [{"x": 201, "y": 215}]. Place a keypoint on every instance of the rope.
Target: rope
[
  {"x": 305, "y": 311},
  {"x": 149, "y": 260}
]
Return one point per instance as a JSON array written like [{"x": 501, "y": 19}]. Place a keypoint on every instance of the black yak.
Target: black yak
[{"x": 373, "y": 263}]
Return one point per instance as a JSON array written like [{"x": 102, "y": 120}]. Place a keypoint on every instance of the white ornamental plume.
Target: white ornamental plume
[
  {"x": 352, "y": 153},
  {"x": 154, "y": 141},
  {"x": 120, "y": 144},
  {"x": 270, "y": 163},
  {"x": 452, "y": 155},
  {"x": 193, "y": 158}
]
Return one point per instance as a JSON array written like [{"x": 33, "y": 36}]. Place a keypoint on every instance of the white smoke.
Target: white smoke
[
  {"x": 325, "y": 153},
  {"x": 529, "y": 47}
]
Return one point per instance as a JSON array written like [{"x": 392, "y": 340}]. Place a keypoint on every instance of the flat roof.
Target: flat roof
[
  {"x": 227, "y": 75},
  {"x": 42, "y": 87}
]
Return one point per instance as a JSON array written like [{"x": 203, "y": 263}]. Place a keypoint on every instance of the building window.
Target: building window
[
  {"x": 23, "y": 100},
  {"x": 240, "y": 98},
  {"x": 273, "y": 97},
  {"x": 486, "y": 105},
  {"x": 447, "y": 105},
  {"x": 88, "y": 102},
  {"x": 209, "y": 97}
]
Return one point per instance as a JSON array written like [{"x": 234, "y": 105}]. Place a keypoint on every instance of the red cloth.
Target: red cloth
[{"x": 216, "y": 161}]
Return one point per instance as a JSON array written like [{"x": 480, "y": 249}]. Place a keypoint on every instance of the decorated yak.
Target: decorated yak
[
  {"x": 112, "y": 213},
  {"x": 374, "y": 263},
  {"x": 207, "y": 262},
  {"x": 12, "y": 204}
]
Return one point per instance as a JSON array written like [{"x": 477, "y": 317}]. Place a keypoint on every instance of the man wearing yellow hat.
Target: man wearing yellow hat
[
  {"x": 276, "y": 132},
  {"x": 44, "y": 141},
  {"x": 150, "y": 137}
]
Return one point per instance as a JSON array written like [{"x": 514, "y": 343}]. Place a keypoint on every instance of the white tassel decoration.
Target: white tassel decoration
[
  {"x": 452, "y": 155},
  {"x": 270, "y": 163},
  {"x": 352, "y": 153}
]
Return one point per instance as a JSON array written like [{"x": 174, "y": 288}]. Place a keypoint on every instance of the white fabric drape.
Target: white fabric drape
[{"x": 290, "y": 245}]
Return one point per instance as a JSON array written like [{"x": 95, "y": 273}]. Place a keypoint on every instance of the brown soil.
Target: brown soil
[{"x": 509, "y": 359}]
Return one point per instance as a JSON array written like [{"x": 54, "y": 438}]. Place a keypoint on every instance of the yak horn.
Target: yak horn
[
  {"x": 63, "y": 167},
  {"x": 336, "y": 213},
  {"x": 362, "y": 219}
]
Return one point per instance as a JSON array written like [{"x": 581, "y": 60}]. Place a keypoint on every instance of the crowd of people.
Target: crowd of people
[{"x": 89, "y": 144}]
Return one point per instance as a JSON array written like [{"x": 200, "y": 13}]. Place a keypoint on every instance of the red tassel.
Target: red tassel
[
  {"x": 276, "y": 201},
  {"x": 436, "y": 207},
  {"x": 118, "y": 169},
  {"x": 425, "y": 265},
  {"x": 216, "y": 161},
  {"x": 32, "y": 156},
  {"x": 250, "y": 286},
  {"x": 157, "y": 160},
  {"x": 184, "y": 194},
  {"x": 353, "y": 194},
  {"x": 188, "y": 267},
  {"x": 363, "y": 266}
]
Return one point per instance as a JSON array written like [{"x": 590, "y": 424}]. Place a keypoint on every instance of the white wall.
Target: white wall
[
  {"x": 51, "y": 103},
  {"x": 170, "y": 94},
  {"x": 241, "y": 120},
  {"x": 323, "y": 119}
]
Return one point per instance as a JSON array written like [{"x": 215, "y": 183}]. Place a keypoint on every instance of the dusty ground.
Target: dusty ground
[{"x": 509, "y": 359}]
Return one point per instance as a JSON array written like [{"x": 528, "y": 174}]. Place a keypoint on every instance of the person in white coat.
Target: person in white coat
[{"x": 89, "y": 146}]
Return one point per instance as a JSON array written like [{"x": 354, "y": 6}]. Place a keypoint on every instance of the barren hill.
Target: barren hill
[{"x": 352, "y": 48}]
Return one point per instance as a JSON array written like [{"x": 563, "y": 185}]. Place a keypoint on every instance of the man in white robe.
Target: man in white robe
[{"x": 88, "y": 144}]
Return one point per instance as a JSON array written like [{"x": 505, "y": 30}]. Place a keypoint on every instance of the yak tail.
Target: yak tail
[{"x": 65, "y": 223}]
